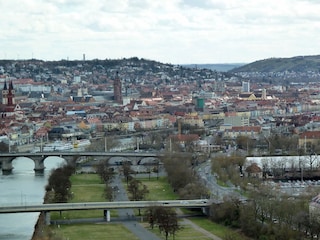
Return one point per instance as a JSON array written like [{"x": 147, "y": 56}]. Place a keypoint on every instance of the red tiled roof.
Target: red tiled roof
[
  {"x": 310, "y": 135},
  {"x": 246, "y": 128},
  {"x": 253, "y": 168},
  {"x": 185, "y": 137}
]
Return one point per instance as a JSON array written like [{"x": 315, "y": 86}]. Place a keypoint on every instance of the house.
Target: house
[
  {"x": 309, "y": 138},
  {"x": 249, "y": 131},
  {"x": 253, "y": 171}
]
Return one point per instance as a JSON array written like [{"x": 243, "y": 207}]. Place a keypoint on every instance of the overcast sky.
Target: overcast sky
[{"x": 169, "y": 31}]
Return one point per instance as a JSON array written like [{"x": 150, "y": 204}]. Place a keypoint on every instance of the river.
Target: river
[{"x": 20, "y": 188}]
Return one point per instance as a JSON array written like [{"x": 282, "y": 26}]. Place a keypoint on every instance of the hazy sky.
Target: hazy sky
[{"x": 169, "y": 31}]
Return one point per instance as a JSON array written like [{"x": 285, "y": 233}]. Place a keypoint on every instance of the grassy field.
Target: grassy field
[
  {"x": 88, "y": 187},
  {"x": 158, "y": 189},
  {"x": 217, "y": 229},
  {"x": 93, "y": 232},
  {"x": 185, "y": 233},
  {"x": 85, "y": 188}
]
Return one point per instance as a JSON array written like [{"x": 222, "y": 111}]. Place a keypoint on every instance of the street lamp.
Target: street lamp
[
  {"x": 301, "y": 168},
  {"x": 9, "y": 146}
]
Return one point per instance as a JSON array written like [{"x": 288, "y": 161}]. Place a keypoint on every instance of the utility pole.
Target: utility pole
[{"x": 105, "y": 143}]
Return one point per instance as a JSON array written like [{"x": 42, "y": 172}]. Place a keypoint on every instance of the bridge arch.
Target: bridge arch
[
  {"x": 148, "y": 161},
  {"x": 71, "y": 158},
  {"x": 37, "y": 164},
  {"x": 120, "y": 161}
]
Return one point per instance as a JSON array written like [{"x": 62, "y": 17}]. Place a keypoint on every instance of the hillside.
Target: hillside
[{"x": 294, "y": 64}]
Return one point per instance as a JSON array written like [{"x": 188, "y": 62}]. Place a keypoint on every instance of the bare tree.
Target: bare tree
[
  {"x": 103, "y": 144},
  {"x": 165, "y": 218},
  {"x": 137, "y": 190},
  {"x": 126, "y": 169},
  {"x": 104, "y": 171}
]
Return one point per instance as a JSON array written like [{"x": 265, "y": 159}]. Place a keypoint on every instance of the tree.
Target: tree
[
  {"x": 103, "y": 144},
  {"x": 228, "y": 168},
  {"x": 108, "y": 192},
  {"x": 137, "y": 190},
  {"x": 59, "y": 184},
  {"x": 126, "y": 169},
  {"x": 104, "y": 171},
  {"x": 245, "y": 142},
  {"x": 182, "y": 177},
  {"x": 227, "y": 212},
  {"x": 156, "y": 140},
  {"x": 165, "y": 218},
  {"x": 193, "y": 190}
]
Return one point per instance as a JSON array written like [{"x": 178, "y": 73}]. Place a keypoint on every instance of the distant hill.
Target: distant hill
[
  {"x": 222, "y": 67},
  {"x": 295, "y": 64}
]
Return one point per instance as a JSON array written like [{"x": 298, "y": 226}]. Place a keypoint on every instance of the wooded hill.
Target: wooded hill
[{"x": 293, "y": 64}]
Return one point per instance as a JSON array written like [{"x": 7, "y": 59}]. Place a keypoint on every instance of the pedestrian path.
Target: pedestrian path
[
  {"x": 199, "y": 229},
  {"x": 133, "y": 226},
  {"x": 136, "y": 228}
]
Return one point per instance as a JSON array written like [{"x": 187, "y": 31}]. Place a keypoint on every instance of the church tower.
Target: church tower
[
  {"x": 117, "y": 89},
  {"x": 8, "y": 99},
  {"x": 5, "y": 92},
  {"x": 11, "y": 93}
]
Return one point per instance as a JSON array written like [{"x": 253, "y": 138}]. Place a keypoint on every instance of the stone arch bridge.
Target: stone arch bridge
[{"x": 72, "y": 158}]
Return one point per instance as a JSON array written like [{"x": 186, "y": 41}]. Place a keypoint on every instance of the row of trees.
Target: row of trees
[
  {"x": 268, "y": 213},
  {"x": 228, "y": 168},
  {"x": 181, "y": 176},
  {"x": 268, "y": 216},
  {"x": 276, "y": 144},
  {"x": 106, "y": 174},
  {"x": 165, "y": 218},
  {"x": 59, "y": 185}
]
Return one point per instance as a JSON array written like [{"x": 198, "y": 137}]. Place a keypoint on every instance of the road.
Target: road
[{"x": 217, "y": 192}]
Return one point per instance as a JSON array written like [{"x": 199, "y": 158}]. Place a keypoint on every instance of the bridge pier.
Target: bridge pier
[
  {"x": 39, "y": 164},
  {"x": 7, "y": 165},
  {"x": 106, "y": 215},
  {"x": 206, "y": 211},
  {"x": 46, "y": 217}
]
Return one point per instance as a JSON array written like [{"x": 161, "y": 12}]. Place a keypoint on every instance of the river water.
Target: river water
[{"x": 20, "y": 188}]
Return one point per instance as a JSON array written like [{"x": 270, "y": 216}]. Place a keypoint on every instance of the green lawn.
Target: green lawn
[
  {"x": 159, "y": 189},
  {"x": 217, "y": 229},
  {"x": 84, "y": 188},
  {"x": 186, "y": 232},
  {"x": 79, "y": 179},
  {"x": 88, "y": 187},
  {"x": 93, "y": 232}
]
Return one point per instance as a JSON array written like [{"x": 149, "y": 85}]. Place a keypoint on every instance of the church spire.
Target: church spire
[{"x": 5, "y": 85}]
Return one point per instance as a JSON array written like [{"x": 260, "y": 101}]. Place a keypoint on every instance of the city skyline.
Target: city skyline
[{"x": 170, "y": 31}]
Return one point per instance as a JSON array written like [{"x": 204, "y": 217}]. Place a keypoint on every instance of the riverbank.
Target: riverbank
[
  {"x": 39, "y": 233},
  {"x": 23, "y": 187}
]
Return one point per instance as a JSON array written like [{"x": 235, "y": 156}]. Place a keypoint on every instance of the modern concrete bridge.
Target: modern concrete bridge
[
  {"x": 72, "y": 157},
  {"x": 105, "y": 206}
]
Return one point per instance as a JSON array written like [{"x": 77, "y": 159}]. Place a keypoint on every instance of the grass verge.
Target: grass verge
[
  {"x": 84, "y": 188},
  {"x": 93, "y": 232}
]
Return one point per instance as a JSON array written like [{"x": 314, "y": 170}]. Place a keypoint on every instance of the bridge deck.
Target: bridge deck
[{"x": 197, "y": 203}]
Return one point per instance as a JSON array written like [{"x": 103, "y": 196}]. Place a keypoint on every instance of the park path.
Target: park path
[
  {"x": 208, "y": 234},
  {"x": 199, "y": 229},
  {"x": 134, "y": 226}
]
